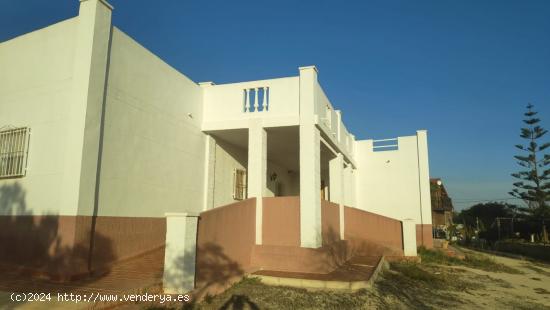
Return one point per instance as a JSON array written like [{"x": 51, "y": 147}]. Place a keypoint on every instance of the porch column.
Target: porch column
[
  {"x": 257, "y": 171},
  {"x": 179, "y": 256},
  {"x": 336, "y": 171},
  {"x": 310, "y": 162},
  {"x": 310, "y": 187}
]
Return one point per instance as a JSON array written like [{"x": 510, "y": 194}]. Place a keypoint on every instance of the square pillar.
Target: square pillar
[
  {"x": 424, "y": 177},
  {"x": 257, "y": 171},
  {"x": 85, "y": 117},
  {"x": 209, "y": 170},
  {"x": 336, "y": 171},
  {"x": 310, "y": 186},
  {"x": 424, "y": 189},
  {"x": 409, "y": 237},
  {"x": 180, "y": 253},
  {"x": 310, "y": 161}
]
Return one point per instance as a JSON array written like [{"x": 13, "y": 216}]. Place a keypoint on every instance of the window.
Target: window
[
  {"x": 239, "y": 184},
  {"x": 14, "y": 146}
]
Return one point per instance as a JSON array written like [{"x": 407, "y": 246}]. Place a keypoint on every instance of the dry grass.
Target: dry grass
[
  {"x": 436, "y": 283},
  {"x": 405, "y": 285},
  {"x": 477, "y": 261}
]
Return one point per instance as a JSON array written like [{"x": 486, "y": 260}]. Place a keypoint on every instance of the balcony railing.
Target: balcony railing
[
  {"x": 385, "y": 145},
  {"x": 330, "y": 120},
  {"x": 275, "y": 100},
  {"x": 252, "y": 97}
]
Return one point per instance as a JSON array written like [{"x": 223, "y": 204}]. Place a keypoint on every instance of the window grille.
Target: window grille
[
  {"x": 14, "y": 147},
  {"x": 239, "y": 184}
]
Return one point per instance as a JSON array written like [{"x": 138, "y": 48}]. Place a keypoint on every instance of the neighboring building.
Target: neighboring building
[
  {"x": 442, "y": 205},
  {"x": 107, "y": 152}
]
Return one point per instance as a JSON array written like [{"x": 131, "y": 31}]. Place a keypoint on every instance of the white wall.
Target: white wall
[
  {"x": 350, "y": 186},
  {"x": 36, "y": 72},
  {"x": 330, "y": 122},
  {"x": 228, "y": 157},
  {"x": 286, "y": 184},
  {"x": 389, "y": 182},
  {"x": 153, "y": 154},
  {"x": 224, "y": 104}
]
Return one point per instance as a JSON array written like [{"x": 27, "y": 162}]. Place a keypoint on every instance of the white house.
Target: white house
[{"x": 107, "y": 152}]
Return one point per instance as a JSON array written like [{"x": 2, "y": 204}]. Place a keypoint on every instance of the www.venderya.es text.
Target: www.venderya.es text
[{"x": 97, "y": 297}]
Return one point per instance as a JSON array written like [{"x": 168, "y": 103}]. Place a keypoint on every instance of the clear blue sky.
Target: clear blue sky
[{"x": 463, "y": 70}]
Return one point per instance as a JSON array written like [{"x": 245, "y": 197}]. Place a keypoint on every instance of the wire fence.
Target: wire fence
[{"x": 512, "y": 227}]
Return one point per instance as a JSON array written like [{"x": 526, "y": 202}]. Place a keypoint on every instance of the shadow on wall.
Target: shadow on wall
[
  {"x": 225, "y": 240},
  {"x": 338, "y": 251},
  {"x": 53, "y": 245},
  {"x": 181, "y": 273},
  {"x": 373, "y": 234},
  {"x": 368, "y": 247},
  {"x": 215, "y": 270}
]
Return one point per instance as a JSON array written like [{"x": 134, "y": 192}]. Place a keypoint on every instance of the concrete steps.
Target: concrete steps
[{"x": 357, "y": 273}]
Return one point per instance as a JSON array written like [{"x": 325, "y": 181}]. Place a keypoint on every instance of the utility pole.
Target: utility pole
[
  {"x": 498, "y": 225},
  {"x": 544, "y": 232}
]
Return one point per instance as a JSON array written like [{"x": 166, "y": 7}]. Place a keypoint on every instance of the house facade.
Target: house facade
[
  {"x": 107, "y": 152},
  {"x": 442, "y": 205}
]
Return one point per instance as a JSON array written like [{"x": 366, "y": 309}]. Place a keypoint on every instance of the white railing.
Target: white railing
[
  {"x": 331, "y": 122},
  {"x": 385, "y": 145},
  {"x": 327, "y": 118},
  {"x": 276, "y": 100},
  {"x": 252, "y": 98}
]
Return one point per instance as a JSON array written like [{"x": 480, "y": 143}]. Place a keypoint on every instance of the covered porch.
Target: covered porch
[
  {"x": 295, "y": 211},
  {"x": 292, "y": 162},
  {"x": 282, "y": 199}
]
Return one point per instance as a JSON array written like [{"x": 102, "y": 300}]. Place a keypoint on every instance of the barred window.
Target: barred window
[
  {"x": 239, "y": 184},
  {"x": 14, "y": 144}
]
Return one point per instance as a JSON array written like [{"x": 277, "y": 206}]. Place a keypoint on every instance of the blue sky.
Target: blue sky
[{"x": 463, "y": 70}]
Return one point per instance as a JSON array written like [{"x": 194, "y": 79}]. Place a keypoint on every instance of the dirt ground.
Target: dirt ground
[
  {"x": 464, "y": 287},
  {"x": 482, "y": 281},
  {"x": 529, "y": 289},
  {"x": 518, "y": 284}
]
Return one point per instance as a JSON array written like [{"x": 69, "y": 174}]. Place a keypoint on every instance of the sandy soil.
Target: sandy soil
[
  {"x": 474, "y": 289},
  {"x": 529, "y": 290},
  {"x": 405, "y": 286}
]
